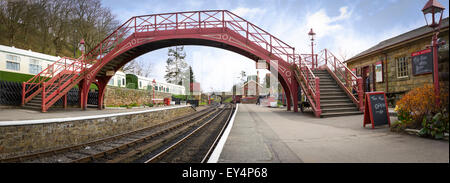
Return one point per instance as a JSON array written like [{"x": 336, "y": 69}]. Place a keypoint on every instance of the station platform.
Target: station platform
[{"x": 273, "y": 135}]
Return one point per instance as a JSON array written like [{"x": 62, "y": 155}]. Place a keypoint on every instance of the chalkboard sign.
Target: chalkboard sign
[
  {"x": 376, "y": 110},
  {"x": 422, "y": 62}
]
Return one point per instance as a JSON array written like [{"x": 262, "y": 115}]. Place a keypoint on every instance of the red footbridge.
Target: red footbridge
[{"x": 330, "y": 88}]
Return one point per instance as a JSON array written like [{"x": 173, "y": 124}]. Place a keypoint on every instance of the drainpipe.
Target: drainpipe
[{"x": 386, "y": 72}]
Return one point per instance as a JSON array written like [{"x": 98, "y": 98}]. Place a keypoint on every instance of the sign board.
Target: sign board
[
  {"x": 376, "y": 109},
  {"x": 110, "y": 73},
  {"x": 422, "y": 62},
  {"x": 379, "y": 72},
  {"x": 262, "y": 64}
]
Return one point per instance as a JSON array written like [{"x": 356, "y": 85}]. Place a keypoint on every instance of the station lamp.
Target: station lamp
[
  {"x": 432, "y": 11},
  {"x": 154, "y": 85},
  {"x": 311, "y": 35},
  {"x": 81, "y": 46}
]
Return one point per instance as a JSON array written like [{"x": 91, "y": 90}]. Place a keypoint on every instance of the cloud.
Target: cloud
[
  {"x": 248, "y": 12},
  {"x": 343, "y": 28}
]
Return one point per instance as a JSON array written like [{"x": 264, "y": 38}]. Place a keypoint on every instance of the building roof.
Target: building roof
[
  {"x": 399, "y": 39},
  {"x": 253, "y": 81},
  {"x": 28, "y": 53}
]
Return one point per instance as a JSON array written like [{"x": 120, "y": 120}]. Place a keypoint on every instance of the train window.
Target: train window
[
  {"x": 35, "y": 66},
  {"x": 13, "y": 62}
]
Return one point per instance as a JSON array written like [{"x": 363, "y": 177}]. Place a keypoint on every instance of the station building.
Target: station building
[{"x": 389, "y": 67}]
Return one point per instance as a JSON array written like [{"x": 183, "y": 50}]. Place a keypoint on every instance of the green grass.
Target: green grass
[
  {"x": 19, "y": 77},
  {"x": 14, "y": 77},
  {"x": 228, "y": 100}
]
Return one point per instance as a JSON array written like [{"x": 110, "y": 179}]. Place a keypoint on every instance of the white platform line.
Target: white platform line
[
  {"x": 214, "y": 158},
  {"x": 56, "y": 120}
]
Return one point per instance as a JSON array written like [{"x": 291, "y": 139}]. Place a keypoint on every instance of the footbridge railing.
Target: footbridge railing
[
  {"x": 309, "y": 83},
  {"x": 194, "y": 20},
  {"x": 348, "y": 80}
]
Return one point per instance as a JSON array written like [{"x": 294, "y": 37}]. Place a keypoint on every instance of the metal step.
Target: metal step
[
  {"x": 339, "y": 109},
  {"x": 334, "y": 100},
  {"x": 327, "y": 93},
  {"x": 333, "y": 97},
  {"x": 330, "y": 90},
  {"x": 336, "y": 105},
  {"x": 335, "y": 114}
]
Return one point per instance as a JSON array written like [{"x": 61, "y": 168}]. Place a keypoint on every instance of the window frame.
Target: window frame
[
  {"x": 10, "y": 59},
  {"x": 34, "y": 62},
  {"x": 402, "y": 73}
]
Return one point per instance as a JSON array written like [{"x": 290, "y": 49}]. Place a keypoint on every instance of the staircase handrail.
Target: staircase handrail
[
  {"x": 312, "y": 85},
  {"x": 45, "y": 75},
  {"x": 71, "y": 70},
  {"x": 352, "y": 83}
]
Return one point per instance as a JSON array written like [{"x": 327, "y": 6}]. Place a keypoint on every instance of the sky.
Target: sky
[{"x": 345, "y": 27}]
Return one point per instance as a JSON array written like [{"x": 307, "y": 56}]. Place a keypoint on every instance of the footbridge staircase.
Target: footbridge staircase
[{"x": 330, "y": 87}]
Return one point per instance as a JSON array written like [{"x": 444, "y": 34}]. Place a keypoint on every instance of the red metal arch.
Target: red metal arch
[{"x": 217, "y": 28}]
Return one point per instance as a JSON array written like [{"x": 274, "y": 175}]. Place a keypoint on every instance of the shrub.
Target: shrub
[
  {"x": 417, "y": 103},
  {"x": 435, "y": 126},
  {"x": 404, "y": 119}
]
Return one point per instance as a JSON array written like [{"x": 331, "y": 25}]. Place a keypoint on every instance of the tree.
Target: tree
[
  {"x": 176, "y": 67},
  {"x": 54, "y": 26},
  {"x": 191, "y": 75},
  {"x": 137, "y": 67}
]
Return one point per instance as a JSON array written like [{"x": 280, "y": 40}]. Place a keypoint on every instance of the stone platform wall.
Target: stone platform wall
[
  {"x": 46, "y": 134},
  {"x": 116, "y": 96}
]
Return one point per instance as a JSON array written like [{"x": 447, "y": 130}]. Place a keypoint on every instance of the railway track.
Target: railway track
[
  {"x": 115, "y": 148},
  {"x": 195, "y": 145}
]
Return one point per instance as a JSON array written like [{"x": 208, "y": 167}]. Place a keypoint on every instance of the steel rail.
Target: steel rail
[
  {"x": 208, "y": 154},
  {"x": 48, "y": 153},
  {"x": 176, "y": 144},
  {"x": 159, "y": 133}
]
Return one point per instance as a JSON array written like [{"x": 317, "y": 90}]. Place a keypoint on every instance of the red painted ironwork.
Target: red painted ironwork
[
  {"x": 348, "y": 80},
  {"x": 309, "y": 83},
  {"x": 194, "y": 25},
  {"x": 185, "y": 21},
  {"x": 53, "y": 82},
  {"x": 206, "y": 25}
]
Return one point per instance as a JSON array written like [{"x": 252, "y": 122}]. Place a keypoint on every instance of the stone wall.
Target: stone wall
[
  {"x": 396, "y": 84},
  {"x": 45, "y": 135},
  {"x": 116, "y": 96}
]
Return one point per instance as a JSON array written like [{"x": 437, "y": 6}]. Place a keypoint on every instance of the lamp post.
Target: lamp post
[
  {"x": 81, "y": 46},
  {"x": 312, "y": 34},
  {"x": 154, "y": 85},
  {"x": 432, "y": 11}
]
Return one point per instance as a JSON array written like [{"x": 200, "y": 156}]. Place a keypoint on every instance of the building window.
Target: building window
[
  {"x": 35, "y": 67},
  {"x": 111, "y": 82},
  {"x": 402, "y": 67},
  {"x": 140, "y": 84},
  {"x": 13, "y": 62},
  {"x": 123, "y": 81}
]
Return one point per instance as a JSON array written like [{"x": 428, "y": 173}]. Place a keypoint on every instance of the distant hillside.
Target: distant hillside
[{"x": 54, "y": 27}]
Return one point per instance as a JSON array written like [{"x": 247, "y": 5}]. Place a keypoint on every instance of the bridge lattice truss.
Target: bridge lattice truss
[{"x": 194, "y": 21}]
